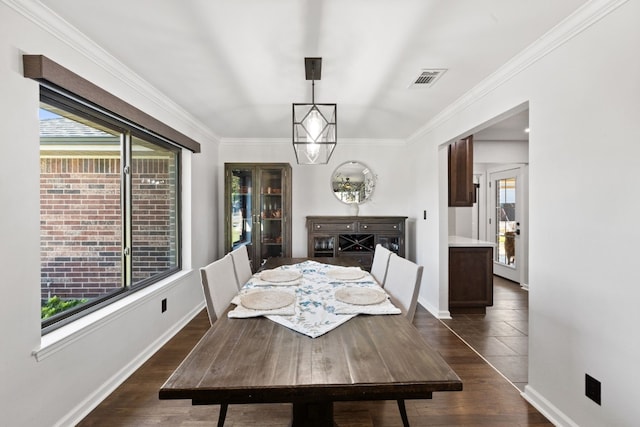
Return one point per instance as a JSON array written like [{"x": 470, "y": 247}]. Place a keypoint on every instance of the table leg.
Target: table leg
[{"x": 316, "y": 414}]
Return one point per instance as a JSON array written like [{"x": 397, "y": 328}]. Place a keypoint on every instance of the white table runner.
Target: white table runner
[{"x": 316, "y": 309}]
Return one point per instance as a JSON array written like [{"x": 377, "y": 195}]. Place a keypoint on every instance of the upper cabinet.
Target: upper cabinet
[
  {"x": 461, "y": 189},
  {"x": 258, "y": 209}
]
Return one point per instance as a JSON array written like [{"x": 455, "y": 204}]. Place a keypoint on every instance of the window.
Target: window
[{"x": 109, "y": 207}]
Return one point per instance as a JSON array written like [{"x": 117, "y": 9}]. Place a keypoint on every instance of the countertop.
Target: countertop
[{"x": 467, "y": 242}]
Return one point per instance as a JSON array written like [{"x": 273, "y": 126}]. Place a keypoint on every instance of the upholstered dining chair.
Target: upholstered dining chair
[
  {"x": 403, "y": 285},
  {"x": 219, "y": 285},
  {"x": 380, "y": 263},
  {"x": 241, "y": 265}
]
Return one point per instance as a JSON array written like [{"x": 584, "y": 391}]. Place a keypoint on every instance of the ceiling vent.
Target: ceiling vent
[{"x": 427, "y": 78}]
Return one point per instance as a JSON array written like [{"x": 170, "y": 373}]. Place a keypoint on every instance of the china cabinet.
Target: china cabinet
[
  {"x": 355, "y": 236},
  {"x": 258, "y": 209}
]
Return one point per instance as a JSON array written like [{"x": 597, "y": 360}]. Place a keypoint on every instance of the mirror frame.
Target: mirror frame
[{"x": 344, "y": 172}]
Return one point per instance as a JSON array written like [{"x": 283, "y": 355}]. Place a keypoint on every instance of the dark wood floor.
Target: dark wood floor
[
  {"x": 488, "y": 399},
  {"x": 501, "y": 335}
]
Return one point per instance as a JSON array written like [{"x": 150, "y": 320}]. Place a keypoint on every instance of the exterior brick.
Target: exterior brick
[{"x": 81, "y": 224}]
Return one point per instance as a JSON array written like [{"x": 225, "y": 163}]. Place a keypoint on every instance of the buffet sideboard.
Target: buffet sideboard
[{"x": 355, "y": 236}]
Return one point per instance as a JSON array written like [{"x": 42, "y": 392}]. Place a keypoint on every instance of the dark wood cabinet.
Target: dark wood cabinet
[
  {"x": 461, "y": 189},
  {"x": 355, "y": 236},
  {"x": 258, "y": 209},
  {"x": 470, "y": 279}
]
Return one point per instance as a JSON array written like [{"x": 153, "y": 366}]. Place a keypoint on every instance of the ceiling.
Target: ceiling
[
  {"x": 236, "y": 66},
  {"x": 511, "y": 128}
]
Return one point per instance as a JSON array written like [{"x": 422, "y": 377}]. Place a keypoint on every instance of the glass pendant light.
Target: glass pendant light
[{"x": 314, "y": 125}]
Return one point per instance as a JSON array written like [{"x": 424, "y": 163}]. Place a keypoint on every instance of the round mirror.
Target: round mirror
[{"x": 353, "y": 182}]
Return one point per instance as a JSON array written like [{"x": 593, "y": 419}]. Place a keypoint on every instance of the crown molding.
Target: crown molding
[
  {"x": 583, "y": 18},
  {"x": 287, "y": 141},
  {"x": 55, "y": 25}
]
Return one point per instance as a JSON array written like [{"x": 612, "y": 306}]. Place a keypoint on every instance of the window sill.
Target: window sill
[{"x": 60, "y": 338}]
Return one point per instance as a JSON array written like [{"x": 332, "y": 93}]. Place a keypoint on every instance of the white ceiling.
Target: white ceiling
[
  {"x": 512, "y": 128},
  {"x": 237, "y": 65}
]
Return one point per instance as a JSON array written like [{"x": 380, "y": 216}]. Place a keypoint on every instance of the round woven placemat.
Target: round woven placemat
[
  {"x": 267, "y": 299},
  {"x": 360, "y": 296},
  {"x": 278, "y": 276},
  {"x": 346, "y": 273}
]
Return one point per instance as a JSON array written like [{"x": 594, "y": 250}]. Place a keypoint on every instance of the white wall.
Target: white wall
[
  {"x": 460, "y": 221},
  {"x": 311, "y": 192},
  {"x": 69, "y": 380},
  {"x": 500, "y": 152},
  {"x": 583, "y": 151}
]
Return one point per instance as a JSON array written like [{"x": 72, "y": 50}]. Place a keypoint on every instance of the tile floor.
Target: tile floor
[{"x": 501, "y": 335}]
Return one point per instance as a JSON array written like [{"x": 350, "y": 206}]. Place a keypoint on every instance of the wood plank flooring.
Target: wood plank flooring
[
  {"x": 500, "y": 335},
  {"x": 488, "y": 399}
]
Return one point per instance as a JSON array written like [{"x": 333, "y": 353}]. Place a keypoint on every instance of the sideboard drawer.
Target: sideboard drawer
[
  {"x": 363, "y": 258},
  {"x": 349, "y": 227},
  {"x": 366, "y": 226}
]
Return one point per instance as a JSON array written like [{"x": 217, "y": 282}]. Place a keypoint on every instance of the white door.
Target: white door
[{"x": 505, "y": 223}]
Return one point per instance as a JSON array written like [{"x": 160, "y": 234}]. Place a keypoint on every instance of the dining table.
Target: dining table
[{"x": 262, "y": 359}]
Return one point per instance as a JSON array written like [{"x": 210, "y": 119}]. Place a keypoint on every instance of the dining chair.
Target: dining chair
[
  {"x": 219, "y": 285},
  {"x": 380, "y": 264},
  {"x": 241, "y": 265},
  {"x": 403, "y": 285}
]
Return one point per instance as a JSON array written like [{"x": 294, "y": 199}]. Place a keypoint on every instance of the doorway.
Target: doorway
[
  {"x": 506, "y": 222},
  {"x": 501, "y": 165}
]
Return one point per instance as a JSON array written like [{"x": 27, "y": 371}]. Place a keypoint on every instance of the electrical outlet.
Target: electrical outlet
[
  {"x": 592, "y": 388},
  {"x": 164, "y": 305}
]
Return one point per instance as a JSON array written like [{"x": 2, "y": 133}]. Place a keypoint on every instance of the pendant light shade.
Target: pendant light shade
[{"x": 314, "y": 125}]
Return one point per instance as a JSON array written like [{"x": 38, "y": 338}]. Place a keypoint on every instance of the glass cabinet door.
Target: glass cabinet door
[
  {"x": 323, "y": 246},
  {"x": 271, "y": 213},
  {"x": 390, "y": 242},
  {"x": 242, "y": 209}
]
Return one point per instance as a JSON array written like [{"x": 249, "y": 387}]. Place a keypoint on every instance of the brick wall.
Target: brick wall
[
  {"x": 81, "y": 224},
  {"x": 154, "y": 218}
]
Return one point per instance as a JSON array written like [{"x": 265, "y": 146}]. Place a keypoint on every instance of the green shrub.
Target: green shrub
[{"x": 56, "y": 305}]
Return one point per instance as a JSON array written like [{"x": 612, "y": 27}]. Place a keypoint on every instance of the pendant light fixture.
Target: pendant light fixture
[{"x": 314, "y": 125}]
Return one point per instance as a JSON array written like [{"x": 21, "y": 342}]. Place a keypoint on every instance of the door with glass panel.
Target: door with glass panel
[{"x": 505, "y": 222}]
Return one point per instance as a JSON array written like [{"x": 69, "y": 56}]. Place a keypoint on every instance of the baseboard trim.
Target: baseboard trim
[
  {"x": 546, "y": 408},
  {"x": 94, "y": 399},
  {"x": 438, "y": 314}
]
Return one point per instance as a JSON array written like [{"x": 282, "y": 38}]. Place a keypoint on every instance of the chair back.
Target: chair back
[
  {"x": 219, "y": 286},
  {"x": 241, "y": 265},
  {"x": 403, "y": 284},
  {"x": 380, "y": 264}
]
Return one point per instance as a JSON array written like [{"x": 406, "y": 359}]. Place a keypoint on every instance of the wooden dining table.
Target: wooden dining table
[{"x": 255, "y": 360}]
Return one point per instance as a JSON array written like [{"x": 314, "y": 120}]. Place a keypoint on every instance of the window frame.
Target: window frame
[{"x": 57, "y": 97}]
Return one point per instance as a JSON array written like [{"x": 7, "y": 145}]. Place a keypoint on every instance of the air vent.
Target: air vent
[{"x": 427, "y": 78}]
